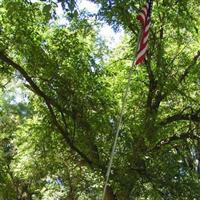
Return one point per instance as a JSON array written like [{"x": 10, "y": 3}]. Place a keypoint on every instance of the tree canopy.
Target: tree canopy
[{"x": 61, "y": 92}]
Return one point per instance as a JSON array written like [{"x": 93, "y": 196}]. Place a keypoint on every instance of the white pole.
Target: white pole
[{"x": 124, "y": 98}]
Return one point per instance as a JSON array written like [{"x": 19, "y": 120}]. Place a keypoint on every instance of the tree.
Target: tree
[{"x": 77, "y": 93}]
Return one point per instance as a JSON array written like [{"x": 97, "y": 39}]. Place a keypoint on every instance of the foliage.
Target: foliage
[{"x": 55, "y": 142}]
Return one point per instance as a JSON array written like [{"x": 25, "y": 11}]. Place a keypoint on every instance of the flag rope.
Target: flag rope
[{"x": 124, "y": 98}]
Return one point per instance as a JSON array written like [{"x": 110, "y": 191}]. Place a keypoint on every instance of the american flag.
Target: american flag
[{"x": 144, "y": 19}]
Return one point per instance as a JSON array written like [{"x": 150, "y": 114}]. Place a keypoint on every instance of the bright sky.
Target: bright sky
[{"x": 106, "y": 32}]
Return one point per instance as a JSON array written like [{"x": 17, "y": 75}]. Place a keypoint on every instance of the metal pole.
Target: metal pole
[{"x": 124, "y": 98}]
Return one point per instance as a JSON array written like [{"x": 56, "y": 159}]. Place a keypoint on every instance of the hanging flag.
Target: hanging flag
[{"x": 144, "y": 19}]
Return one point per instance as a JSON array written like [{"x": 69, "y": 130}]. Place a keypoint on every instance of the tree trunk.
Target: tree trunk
[{"x": 109, "y": 194}]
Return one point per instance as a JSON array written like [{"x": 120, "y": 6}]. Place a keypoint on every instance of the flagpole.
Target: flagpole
[{"x": 124, "y": 98}]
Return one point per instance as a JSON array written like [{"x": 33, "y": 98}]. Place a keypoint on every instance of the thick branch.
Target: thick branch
[
  {"x": 34, "y": 87},
  {"x": 65, "y": 135},
  {"x": 183, "y": 136},
  {"x": 195, "y": 116},
  {"x": 49, "y": 102},
  {"x": 152, "y": 86},
  {"x": 154, "y": 95},
  {"x": 187, "y": 70}
]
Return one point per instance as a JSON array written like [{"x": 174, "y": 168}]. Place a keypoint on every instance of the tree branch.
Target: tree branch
[
  {"x": 187, "y": 70},
  {"x": 154, "y": 95},
  {"x": 186, "y": 135},
  {"x": 152, "y": 86},
  {"x": 49, "y": 102},
  {"x": 195, "y": 116},
  {"x": 34, "y": 87},
  {"x": 65, "y": 134}
]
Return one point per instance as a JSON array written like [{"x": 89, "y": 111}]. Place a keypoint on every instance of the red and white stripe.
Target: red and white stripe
[{"x": 144, "y": 19}]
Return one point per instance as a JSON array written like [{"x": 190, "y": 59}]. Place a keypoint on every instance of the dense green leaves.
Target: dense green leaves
[{"x": 61, "y": 91}]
